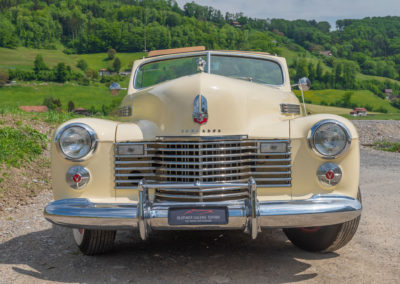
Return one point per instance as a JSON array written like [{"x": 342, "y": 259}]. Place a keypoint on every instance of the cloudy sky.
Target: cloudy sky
[{"x": 320, "y": 10}]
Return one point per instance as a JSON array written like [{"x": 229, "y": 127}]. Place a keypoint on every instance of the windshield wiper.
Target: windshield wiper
[{"x": 250, "y": 79}]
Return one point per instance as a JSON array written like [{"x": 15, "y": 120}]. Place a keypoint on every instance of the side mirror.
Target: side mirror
[{"x": 304, "y": 84}]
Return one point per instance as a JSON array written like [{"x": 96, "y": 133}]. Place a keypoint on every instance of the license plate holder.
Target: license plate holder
[{"x": 198, "y": 216}]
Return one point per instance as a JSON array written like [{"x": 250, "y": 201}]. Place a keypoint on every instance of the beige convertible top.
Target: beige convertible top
[{"x": 160, "y": 52}]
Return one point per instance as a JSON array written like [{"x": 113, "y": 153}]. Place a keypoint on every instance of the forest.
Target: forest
[{"x": 369, "y": 46}]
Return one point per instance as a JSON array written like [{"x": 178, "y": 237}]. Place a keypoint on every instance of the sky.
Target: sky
[{"x": 320, "y": 10}]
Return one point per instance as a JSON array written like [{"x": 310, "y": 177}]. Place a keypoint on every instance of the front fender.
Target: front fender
[
  {"x": 100, "y": 165},
  {"x": 305, "y": 162}
]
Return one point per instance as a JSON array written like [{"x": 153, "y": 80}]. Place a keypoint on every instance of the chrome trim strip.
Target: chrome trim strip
[
  {"x": 203, "y": 156},
  {"x": 203, "y": 149},
  {"x": 317, "y": 125},
  {"x": 93, "y": 138},
  {"x": 204, "y": 197}
]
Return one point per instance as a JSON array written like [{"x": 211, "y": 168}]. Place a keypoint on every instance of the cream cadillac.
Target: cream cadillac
[{"x": 208, "y": 140}]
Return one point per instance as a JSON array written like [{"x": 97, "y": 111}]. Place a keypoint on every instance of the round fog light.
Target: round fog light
[
  {"x": 329, "y": 174},
  {"x": 78, "y": 177}
]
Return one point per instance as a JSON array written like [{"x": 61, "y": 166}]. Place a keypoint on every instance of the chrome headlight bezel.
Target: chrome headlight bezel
[
  {"x": 93, "y": 142},
  {"x": 315, "y": 128}
]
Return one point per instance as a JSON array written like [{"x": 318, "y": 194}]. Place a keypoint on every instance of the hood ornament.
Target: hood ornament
[{"x": 200, "y": 114}]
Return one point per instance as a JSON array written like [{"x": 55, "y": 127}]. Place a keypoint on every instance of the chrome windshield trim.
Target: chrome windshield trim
[{"x": 209, "y": 54}]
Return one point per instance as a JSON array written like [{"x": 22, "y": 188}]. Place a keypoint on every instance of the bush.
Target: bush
[
  {"x": 116, "y": 64},
  {"x": 3, "y": 78},
  {"x": 111, "y": 53},
  {"x": 52, "y": 103},
  {"x": 381, "y": 109},
  {"x": 39, "y": 64},
  {"x": 71, "y": 106},
  {"x": 82, "y": 65}
]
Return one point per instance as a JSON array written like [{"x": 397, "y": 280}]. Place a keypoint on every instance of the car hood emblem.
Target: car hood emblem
[{"x": 200, "y": 114}]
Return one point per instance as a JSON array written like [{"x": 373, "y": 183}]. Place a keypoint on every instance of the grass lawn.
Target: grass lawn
[
  {"x": 315, "y": 109},
  {"x": 82, "y": 96},
  {"x": 22, "y": 58},
  {"x": 97, "y": 61},
  {"x": 361, "y": 98}
]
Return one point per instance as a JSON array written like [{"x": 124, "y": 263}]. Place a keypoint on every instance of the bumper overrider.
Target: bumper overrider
[{"x": 249, "y": 215}]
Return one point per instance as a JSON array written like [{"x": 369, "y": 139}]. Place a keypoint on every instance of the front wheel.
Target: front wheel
[
  {"x": 91, "y": 242},
  {"x": 324, "y": 238}
]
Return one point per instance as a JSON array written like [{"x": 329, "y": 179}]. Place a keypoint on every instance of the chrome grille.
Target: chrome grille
[{"x": 222, "y": 161}]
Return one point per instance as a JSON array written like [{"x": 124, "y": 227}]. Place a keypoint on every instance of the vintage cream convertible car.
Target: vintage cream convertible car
[{"x": 208, "y": 140}]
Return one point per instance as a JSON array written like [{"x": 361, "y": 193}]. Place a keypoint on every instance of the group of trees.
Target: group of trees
[
  {"x": 342, "y": 75},
  {"x": 41, "y": 72},
  {"x": 86, "y": 26}
]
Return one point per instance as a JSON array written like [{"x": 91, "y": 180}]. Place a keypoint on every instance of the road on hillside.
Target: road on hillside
[{"x": 32, "y": 250}]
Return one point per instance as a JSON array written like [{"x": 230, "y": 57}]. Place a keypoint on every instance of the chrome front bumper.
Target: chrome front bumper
[{"x": 249, "y": 215}]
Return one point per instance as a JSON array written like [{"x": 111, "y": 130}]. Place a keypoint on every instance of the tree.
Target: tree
[
  {"x": 111, "y": 53},
  {"x": 39, "y": 64},
  {"x": 302, "y": 69},
  {"x": 319, "y": 72},
  {"x": 82, "y": 64},
  {"x": 116, "y": 64},
  {"x": 3, "y": 78},
  {"x": 71, "y": 106},
  {"x": 61, "y": 72}
]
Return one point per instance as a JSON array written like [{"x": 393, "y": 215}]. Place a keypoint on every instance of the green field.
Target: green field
[
  {"x": 82, "y": 96},
  {"x": 22, "y": 58},
  {"x": 361, "y": 98},
  {"x": 315, "y": 109}
]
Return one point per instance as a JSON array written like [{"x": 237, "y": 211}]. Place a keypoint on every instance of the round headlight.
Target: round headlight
[
  {"x": 76, "y": 141},
  {"x": 329, "y": 138}
]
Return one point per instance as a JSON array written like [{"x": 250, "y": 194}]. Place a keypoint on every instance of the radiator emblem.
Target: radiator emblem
[{"x": 200, "y": 114}]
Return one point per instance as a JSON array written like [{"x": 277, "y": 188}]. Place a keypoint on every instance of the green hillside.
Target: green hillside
[{"x": 360, "y": 98}]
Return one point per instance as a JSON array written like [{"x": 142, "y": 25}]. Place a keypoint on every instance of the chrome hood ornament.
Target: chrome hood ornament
[{"x": 200, "y": 114}]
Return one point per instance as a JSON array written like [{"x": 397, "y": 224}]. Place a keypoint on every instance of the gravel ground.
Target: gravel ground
[
  {"x": 371, "y": 131},
  {"x": 34, "y": 251}
]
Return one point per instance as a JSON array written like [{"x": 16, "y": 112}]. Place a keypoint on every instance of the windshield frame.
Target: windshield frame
[{"x": 208, "y": 54}]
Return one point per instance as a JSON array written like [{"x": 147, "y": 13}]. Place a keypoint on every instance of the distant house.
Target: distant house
[
  {"x": 34, "y": 108},
  {"x": 389, "y": 94},
  {"x": 326, "y": 53},
  {"x": 236, "y": 24},
  {"x": 104, "y": 72},
  {"x": 388, "y": 91},
  {"x": 81, "y": 111},
  {"x": 125, "y": 73},
  {"x": 359, "y": 111}
]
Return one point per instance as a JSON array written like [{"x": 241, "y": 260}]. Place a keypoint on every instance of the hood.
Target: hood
[{"x": 234, "y": 107}]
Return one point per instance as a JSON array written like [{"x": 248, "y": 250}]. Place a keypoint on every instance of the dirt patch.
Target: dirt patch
[{"x": 19, "y": 185}]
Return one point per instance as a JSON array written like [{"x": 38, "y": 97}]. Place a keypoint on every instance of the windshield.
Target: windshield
[{"x": 246, "y": 68}]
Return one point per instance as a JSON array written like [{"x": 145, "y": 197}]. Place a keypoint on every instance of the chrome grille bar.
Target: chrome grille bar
[{"x": 212, "y": 165}]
